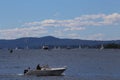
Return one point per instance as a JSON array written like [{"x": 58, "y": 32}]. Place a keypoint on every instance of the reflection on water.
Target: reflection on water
[{"x": 85, "y": 64}]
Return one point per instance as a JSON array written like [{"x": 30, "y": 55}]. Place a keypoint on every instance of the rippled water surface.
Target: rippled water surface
[{"x": 82, "y": 64}]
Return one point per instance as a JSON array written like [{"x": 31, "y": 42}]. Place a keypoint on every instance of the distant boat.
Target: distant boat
[
  {"x": 45, "y": 47},
  {"x": 16, "y": 48},
  {"x": 102, "y": 47},
  {"x": 46, "y": 72}
]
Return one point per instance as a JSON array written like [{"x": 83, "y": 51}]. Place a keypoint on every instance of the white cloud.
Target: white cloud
[
  {"x": 61, "y": 34},
  {"x": 58, "y": 33},
  {"x": 98, "y": 36},
  {"x": 21, "y": 32},
  {"x": 90, "y": 17},
  {"x": 112, "y": 19},
  {"x": 82, "y": 21},
  {"x": 74, "y": 28},
  {"x": 63, "y": 28},
  {"x": 74, "y": 36}
]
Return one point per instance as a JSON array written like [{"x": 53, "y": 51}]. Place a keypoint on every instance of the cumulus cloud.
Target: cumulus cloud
[
  {"x": 63, "y": 28},
  {"x": 82, "y": 21},
  {"x": 112, "y": 19},
  {"x": 22, "y": 32}
]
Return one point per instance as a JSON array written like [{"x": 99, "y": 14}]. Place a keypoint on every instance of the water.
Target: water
[{"x": 83, "y": 64}]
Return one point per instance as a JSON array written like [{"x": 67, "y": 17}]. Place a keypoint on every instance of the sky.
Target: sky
[{"x": 76, "y": 19}]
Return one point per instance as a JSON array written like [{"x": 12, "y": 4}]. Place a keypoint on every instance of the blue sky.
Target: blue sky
[{"x": 81, "y": 19}]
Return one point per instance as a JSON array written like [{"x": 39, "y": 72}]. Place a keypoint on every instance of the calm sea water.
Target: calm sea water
[{"x": 82, "y": 64}]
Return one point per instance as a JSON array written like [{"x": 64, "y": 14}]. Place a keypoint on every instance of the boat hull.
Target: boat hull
[{"x": 46, "y": 72}]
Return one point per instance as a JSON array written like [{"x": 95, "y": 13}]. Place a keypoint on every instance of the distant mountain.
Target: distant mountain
[{"x": 33, "y": 42}]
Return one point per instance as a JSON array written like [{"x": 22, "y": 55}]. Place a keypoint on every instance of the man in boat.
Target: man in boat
[
  {"x": 38, "y": 67},
  {"x": 26, "y": 70}
]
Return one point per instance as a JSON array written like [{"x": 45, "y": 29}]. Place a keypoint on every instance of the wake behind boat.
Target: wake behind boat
[{"x": 46, "y": 72}]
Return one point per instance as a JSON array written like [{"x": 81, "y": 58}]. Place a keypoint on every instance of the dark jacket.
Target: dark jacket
[{"x": 38, "y": 67}]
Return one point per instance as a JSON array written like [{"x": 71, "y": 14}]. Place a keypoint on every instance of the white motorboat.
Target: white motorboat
[{"x": 46, "y": 72}]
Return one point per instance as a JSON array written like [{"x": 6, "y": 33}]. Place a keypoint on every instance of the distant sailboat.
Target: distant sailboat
[
  {"x": 16, "y": 48},
  {"x": 27, "y": 47},
  {"x": 80, "y": 47},
  {"x": 102, "y": 47}
]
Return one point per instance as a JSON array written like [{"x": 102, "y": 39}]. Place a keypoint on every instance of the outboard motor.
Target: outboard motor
[{"x": 25, "y": 71}]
